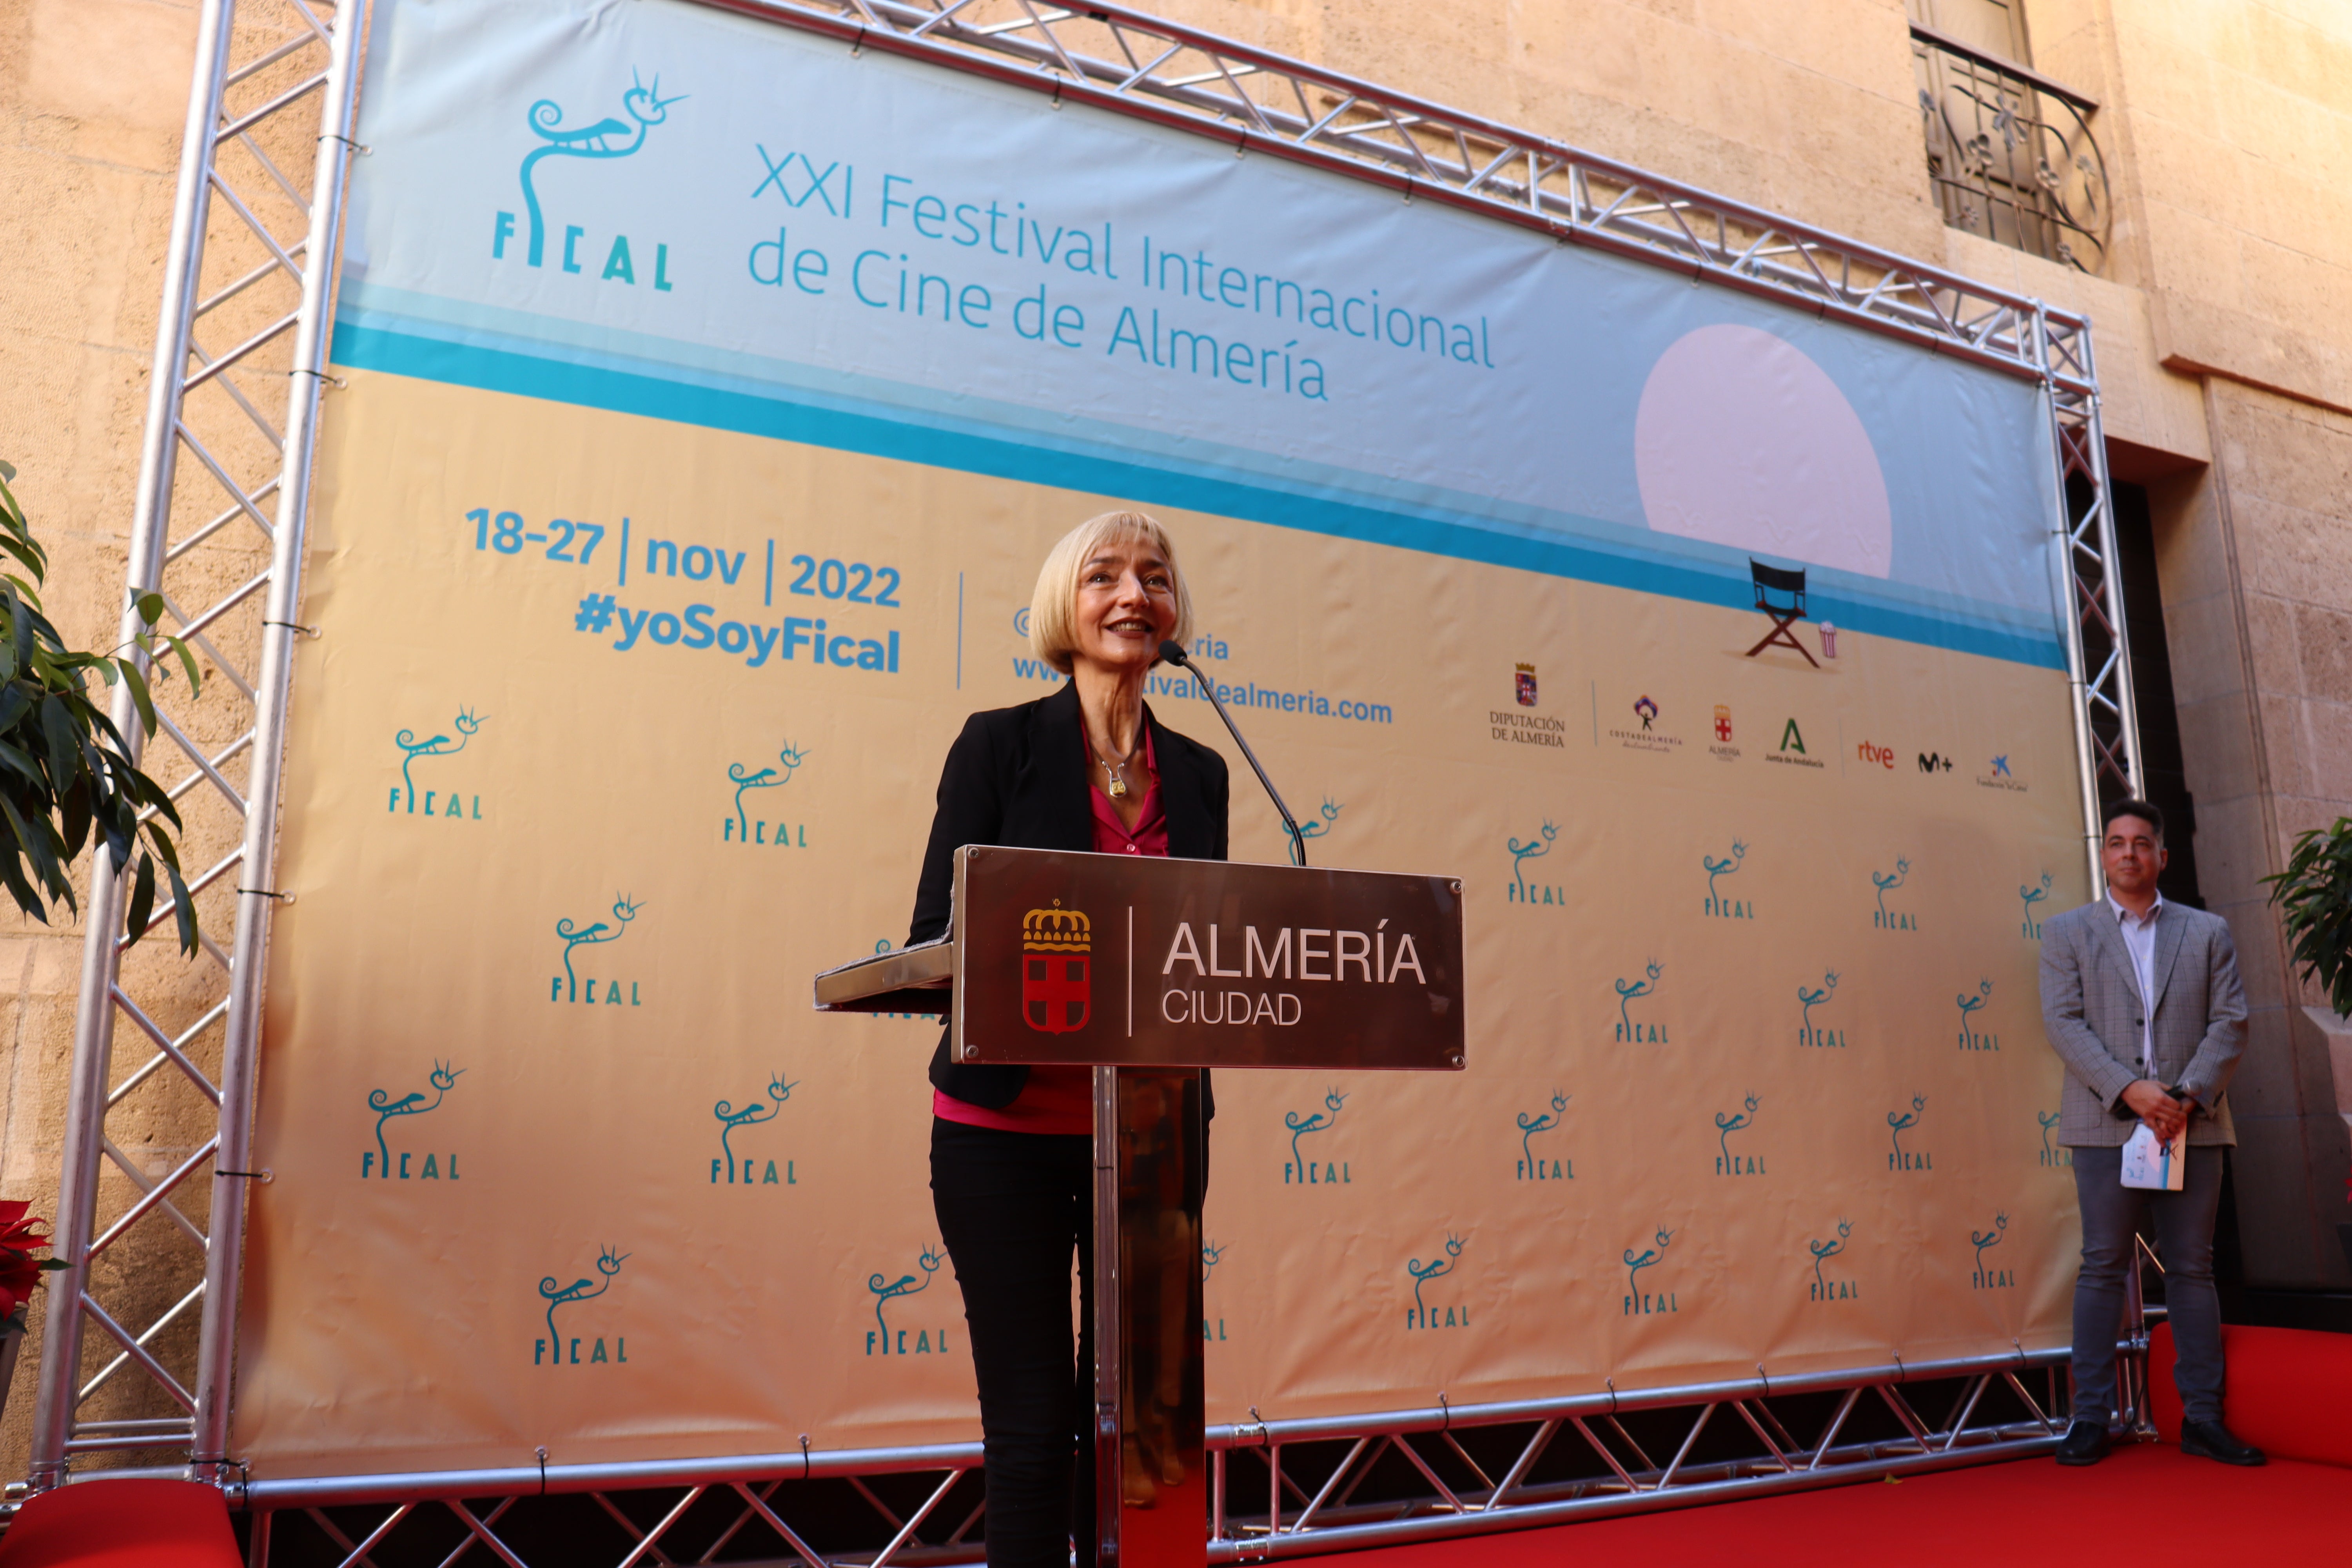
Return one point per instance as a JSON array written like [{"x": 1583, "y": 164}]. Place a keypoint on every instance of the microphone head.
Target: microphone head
[{"x": 1172, "y": 652}]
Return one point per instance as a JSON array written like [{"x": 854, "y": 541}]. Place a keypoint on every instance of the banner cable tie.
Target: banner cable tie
[
  {"x": 283, "y": 898},
  {"x": 296, "y": 626},
  {"x": 1445, "y": 1423},
  {"x": 541, "y": 1452},
  {"x": 337, "y": 382},
  {"x": 263, "y": 1176},
  {"x": 364, "y": 151},
  {"x": 804, "y": 1455}
]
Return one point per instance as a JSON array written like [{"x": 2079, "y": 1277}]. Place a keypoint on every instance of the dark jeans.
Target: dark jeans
[
  {"x": 1014, "y": 1209},
  {"x": 2184, "y": 1240}
]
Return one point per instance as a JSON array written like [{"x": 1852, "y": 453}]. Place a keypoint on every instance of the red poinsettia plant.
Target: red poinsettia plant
[{"x": 20, "y": 1237}]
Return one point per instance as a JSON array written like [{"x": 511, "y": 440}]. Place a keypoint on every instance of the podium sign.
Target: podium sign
[
  {"x": 1146, "y": 969},
  {"x": 1064, "y": 957}
]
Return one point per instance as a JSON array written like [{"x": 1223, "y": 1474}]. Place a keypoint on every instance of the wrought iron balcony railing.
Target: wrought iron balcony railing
[{"x": 2010, "y": 152}]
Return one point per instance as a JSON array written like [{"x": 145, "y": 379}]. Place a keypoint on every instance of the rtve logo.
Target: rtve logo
[{"x": 1882, "y": 755}]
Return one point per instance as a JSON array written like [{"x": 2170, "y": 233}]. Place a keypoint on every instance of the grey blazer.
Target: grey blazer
[{"x": 2091, "y": 1007}]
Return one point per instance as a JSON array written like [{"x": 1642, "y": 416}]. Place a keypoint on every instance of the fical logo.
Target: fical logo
[
  {"x": 1728, "y": 1164},
  {"x": 1716, "y": 870},
  {"x": 1535, "y": 847},
  {"x": 753, "y": 1112},
  {"x": 1532, "y": 1168},
  {"x": 608, "y": 1265},
  {"x": 568, "y": 986},
  {"x": 2030, "y": 927},
  {"x": 1812, "y": 997},
  {"x": 1971, "y": 1038},
  {"x": 378, "y": 1161},
  {"x": 1899, "y": 1122},
  {"x": 404, "y": 799},
  {"x": 1826, "y": 1287},
  {"x": 741, "y": 828},
  {"x": 1211, "y": 1254},
  {"x": 1310, "y": 1173},
  {"x": 879, "y": 1338},
  {"x": 2053, "y": 1156},
  {"x": 1628, "y": 990},
  {"x": 1990, "y": 1278},
  {"x": 1640, "y": 1303},
  {"x": 1056, "y": 989},
  {"x": 1885, "y": 882},
  {"x": 604, "y": 140},
  {"x": 1318, "y": 827},
  {"x": 1420, "y": 1314}
]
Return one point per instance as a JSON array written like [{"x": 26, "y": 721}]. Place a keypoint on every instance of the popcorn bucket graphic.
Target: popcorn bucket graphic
[{"x": 1829, "y": 640}]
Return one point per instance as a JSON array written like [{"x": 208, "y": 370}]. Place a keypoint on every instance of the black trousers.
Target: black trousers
[{"x": 1013, "y": 1209}]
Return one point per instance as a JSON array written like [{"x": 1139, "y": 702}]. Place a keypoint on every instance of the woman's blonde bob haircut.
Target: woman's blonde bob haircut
[{"x": 1053, "y": 609}]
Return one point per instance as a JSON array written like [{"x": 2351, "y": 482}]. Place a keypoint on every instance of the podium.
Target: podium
[{"x": 1149, "y": 970}]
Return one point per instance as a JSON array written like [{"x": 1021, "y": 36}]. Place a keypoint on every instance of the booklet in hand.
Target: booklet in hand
[{"x": 2153, "y": 1162}]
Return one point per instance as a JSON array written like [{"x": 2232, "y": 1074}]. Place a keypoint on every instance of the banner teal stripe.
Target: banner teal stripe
[{"x": 777, "y": 416}]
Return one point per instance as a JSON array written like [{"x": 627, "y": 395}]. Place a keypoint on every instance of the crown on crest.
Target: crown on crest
[
  {"x": 1056, "y": 930},
  {"x": 1527, "y": 669}
]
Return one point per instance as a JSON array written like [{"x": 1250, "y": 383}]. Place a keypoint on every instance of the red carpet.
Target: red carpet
[{"x": 2145, "y": 1503}]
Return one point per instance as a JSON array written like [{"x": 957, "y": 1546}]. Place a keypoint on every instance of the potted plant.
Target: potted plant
[
  {"x": 2315, "y": 899},
  {"x": 20, "y": 1271}
]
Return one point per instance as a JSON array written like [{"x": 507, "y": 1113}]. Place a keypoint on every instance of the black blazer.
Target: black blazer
[{"x": 1017, "y": 777}]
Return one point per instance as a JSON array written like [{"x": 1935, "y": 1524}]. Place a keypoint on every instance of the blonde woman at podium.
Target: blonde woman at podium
[{"x": 1088, "y": 768}]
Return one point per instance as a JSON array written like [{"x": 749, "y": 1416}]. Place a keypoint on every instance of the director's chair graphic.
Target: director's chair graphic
[{"x": 1782, "y": 596}]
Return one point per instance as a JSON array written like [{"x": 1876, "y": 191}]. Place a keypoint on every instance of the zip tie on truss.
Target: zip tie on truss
[
  {"x": 1612, "y": 1383},
  {"x": 1768, "y": 1382},
  {"x": 804, "y": 1456},
  {"x": 296, "y": 625},
  {"x": 363, "y": 151},
  {"x": 1446, "y": 1420},
  {"x": 541, "y": 1452},
  {"x": 337, "y": 382},
  {"x": 266, "y": 893},
  {"x": 263, "y": 1176}
]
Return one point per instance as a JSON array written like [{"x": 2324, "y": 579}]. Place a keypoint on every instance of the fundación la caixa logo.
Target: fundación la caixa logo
[{"x": 615, "y": 136}]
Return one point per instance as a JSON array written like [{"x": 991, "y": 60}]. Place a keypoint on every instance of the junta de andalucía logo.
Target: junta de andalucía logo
[
  {"x": 1971, "y": 1038},
  {"x": 1630, "y": 1030},
  {"x": 1718, "y": 868},
  {"x": 1534, "y": 1167},
  {"x": 1886, "y": 882},
  {"x": 1537, "y": 845},
  {"x": 601, "y": 141},
  {"x": 377, "y": 1162},
  {"x": 744, "y": 828},
  {"x": 1641, "y": 1303},
  {"x": 752, "y": 1113},
  {"x": 1056, "y": 970},
  {"x": 1899, "y": 1122},
  {"x": 554, "y": 1350},
  {"x": 880, "y": 1339},
  {"x": 1810, "y": 997},
  {"x": 1985, "y": 1279},
  {"x": 1826, "y": 1286},
  {"x": 572, "y": 986},
  {"x": 1314, "y": 1172},
  {"x": 1422, "y": 1313},
  {"x": 452, "y": 804},
  {"x": 1727, "y": 1122}
]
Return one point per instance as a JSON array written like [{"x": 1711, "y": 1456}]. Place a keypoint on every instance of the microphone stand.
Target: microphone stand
[{"x": 1173, "y": 653}]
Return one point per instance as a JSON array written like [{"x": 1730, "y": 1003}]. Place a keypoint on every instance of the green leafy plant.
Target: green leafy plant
[
  {"x": 65, "y": 770},
  {"x": 2315, "y": 897}
]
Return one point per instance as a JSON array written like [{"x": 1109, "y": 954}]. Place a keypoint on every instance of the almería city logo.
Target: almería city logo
[
  {"x": 1886, "y": 919},
  {"x": 740, "y": 828},
  {"x": 887, "y": 1290},
  {"x": 1532, "y": 1168},
  {"x": 607, "y": 139},
  {"x": 1420, "y": 1314},
  {"x": 1716, "y": 870},
  {"x": 1521, "y": 890},
  {"x": 1310, "y": 1173},
  {"x": 1971, "y": 1038},
  {"x": 1728, "y": 1164},
  {"x": 1640, "y": 1303},
  {"x": 1721, "y": 749},
  {"x": 568, "y": 986},
  {"x": 2031, "y": 928},
  {"x": 753, "y": 1114},
  {"x": 1628, "y": 990},
  {"x": 1990, "y": 1278},
  {"x": 1901, "y": 1122},
  {"x": 377, "y": 1162},
  {"x": 608, "y": 1264},
  {"x": 1057, "y": 986},
  {"x": 1812, "y": 997},
  {"x": 413, "y": 751},
  {"x": 1824, "y": 1286}
]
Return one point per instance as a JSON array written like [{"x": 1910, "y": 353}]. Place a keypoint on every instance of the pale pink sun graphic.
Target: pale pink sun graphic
[{"x": 1742, "y": 440}]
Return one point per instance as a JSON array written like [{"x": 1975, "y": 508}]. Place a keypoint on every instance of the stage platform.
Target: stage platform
[{"x": 2145, "y": 1499}]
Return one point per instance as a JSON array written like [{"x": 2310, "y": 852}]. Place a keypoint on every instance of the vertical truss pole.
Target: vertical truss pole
[
  {"x": 225, "y": 1252},
  {"x": 85, "y": 1130},
  {"x": 179, "y": 366}
]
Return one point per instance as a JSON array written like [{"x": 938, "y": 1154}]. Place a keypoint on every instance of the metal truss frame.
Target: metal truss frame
[
  {"x": 234, "y": 425},
  {"x": 1127, "y": 63}
]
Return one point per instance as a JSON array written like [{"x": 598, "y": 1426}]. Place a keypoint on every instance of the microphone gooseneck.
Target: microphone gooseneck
[{"x": 1172, "y": 652}]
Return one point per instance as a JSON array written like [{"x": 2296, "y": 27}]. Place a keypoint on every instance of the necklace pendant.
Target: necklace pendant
[{"x": 1117, "y": 788}]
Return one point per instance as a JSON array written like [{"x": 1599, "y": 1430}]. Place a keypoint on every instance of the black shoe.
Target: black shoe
[
  {"x": 2085, "y": 1443},
  {"x": 2212, "y": 1440}
]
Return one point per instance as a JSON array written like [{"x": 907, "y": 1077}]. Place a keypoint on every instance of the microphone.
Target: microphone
[{"x": 1173, "y": 653}]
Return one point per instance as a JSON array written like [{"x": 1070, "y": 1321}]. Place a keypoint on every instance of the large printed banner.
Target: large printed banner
[{"x": 713, "y": 394}]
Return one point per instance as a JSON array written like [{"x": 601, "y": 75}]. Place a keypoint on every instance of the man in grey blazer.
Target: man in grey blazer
[{"x": 2142, "y": 1003}]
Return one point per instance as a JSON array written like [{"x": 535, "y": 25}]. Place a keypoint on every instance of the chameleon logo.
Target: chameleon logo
[
  {"x": 644, "y": 107},
  {"x": 608, "y": 1264}
]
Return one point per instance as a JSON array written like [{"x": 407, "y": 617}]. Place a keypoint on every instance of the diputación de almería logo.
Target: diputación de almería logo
[
  {"x": 452, "y": 806},
  {"x": 1302, "y": 1172},
  {"x": 742, "y": 828},
  {"x": 1056, "y": 970},
  {"x": 569, "y": 987},
  {"x": 1532, "y": 1166},
  {"x": 753, "y": 1112},
  {"x": 1422, "y": 1313},
  {"x": 552, "y": 1349},
  {"x": 1899, "y": 1122},
  {"x": 1639, "y": 1302},
  {"x": 880, "y": 1339},
  {"x": 605, "y": 140},
  {"x": 377, "y": 1162},
  {"x": 1828, "y": 1287}
]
